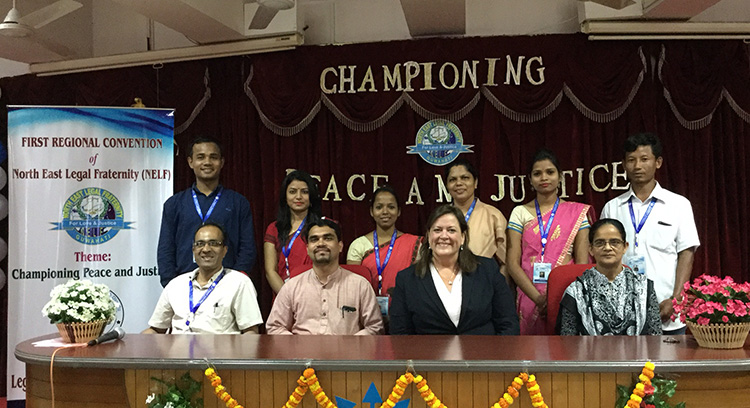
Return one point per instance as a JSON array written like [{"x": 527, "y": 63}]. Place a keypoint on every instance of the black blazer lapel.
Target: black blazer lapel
[
  {"x": 467, "y": 289},
  {"x": 430, "y": 293}
]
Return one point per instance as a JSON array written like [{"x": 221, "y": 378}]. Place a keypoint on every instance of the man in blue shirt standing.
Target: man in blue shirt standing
[{"x": 205, "y": 201}]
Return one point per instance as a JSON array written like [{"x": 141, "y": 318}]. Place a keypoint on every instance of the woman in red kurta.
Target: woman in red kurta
[{"x": 283, "y": 247}]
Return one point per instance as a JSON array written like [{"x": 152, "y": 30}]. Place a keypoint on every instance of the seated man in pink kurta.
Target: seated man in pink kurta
[{"x": 326, "y": 299}]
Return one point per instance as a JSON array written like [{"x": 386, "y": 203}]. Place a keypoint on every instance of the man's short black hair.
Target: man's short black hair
[
  {"x": 212, "y": 224},
  {"x": 323, "y": 222},
  {"x": 643, "y": 139},
  {"x": 204, "y": 139}
]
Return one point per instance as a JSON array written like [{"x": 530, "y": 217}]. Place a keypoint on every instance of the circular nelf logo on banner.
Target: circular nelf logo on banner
[
  {"x": 439, "y": 142},
  {"x": 92, "y": 216}
]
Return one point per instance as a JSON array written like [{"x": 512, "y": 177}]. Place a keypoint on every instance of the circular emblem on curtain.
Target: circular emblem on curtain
[{"x": 439, "y": 142}]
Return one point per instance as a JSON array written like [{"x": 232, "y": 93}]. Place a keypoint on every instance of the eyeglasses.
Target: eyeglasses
[
  {"x": 212, "y": 243},
  {"x": 614, "y": 243}
]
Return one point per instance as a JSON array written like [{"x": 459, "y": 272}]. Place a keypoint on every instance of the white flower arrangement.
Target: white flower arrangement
[{"x": 79, "y": 302}]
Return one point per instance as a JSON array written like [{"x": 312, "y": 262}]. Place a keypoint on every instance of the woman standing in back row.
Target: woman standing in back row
[
  {"x": 542, "y": 234},
  {"x": 283, "y": 248}
]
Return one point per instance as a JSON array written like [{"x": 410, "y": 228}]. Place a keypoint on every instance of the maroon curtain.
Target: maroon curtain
[{"x": 272, "y": 114}]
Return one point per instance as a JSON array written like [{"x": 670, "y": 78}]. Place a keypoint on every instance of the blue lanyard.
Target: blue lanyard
[
  {"x": 193, "y": 309},
  {"x": 210, "y": 209},
  {"x": 287, "y": 249},
  {"x": 380, "y": 267},
  {"x": 544, "y": 231},
  {"x": 471, "y": 210},
  {"x": 640, "y": 225}
]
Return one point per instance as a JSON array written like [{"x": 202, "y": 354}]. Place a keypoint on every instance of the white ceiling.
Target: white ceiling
[{"x": 108, "y": 27}]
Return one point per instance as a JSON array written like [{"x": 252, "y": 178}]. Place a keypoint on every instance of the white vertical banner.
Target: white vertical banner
[{"x": 86, "y": 192}]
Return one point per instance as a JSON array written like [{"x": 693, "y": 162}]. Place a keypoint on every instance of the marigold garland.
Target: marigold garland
[
  {"x": 647, "y": 374},
  {"x": 309, "y": 380}
]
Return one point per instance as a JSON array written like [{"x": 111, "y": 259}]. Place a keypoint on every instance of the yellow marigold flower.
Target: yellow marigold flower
[
  {"x": 534, "y": 389},
  {"x": 418, "y": 378},
  {"x": 496, "y": 405},
  {"x": 225, "y": 397},
  {"x": 219, "y": 389},
  {"x": 508, "y": 398},
  {"x": 636, "y": 398},
  {"x": 537, "y": 404},
  {"x": 390, "y": 403},
  {"x": 532, "y": 377},
  {"x": 423, "y": 389},
  {"x": 209, "y": 372},
  {"x": 650, "y": 365},
  {"x": 231, "y": 403},
  {"x": 436, "y": 403}
]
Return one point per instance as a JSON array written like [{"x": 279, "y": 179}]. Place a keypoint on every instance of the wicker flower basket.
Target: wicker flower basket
[
  {"x": 720, "y": 336},
  {"x": 81, "y": 332}
]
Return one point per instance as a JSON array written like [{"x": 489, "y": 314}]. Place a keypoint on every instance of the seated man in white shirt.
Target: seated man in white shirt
[
  {"x": 211, "y": 299},
  {"x": 326, "y": 299}
]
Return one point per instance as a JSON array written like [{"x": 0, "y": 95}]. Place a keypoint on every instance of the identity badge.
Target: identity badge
[{"x": 541, "y": 272}]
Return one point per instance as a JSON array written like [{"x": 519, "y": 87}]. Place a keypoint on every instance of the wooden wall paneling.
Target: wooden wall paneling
[
  {"x": 368, "y": 377},
  {"x": 265, "y": 393},
  {"x": 545, "y": 384},
  {"x": 449, "y": 389},
  {"x": 281, "y": 387},
  {"x": 143, "y": 386},
  {"x": 130, "y": 387},
  {"x": 465, "y": 387},
  {"x": 559, "y": 391},
  {"x": 591, "y": 390},
  {"x": 608, "y": 389},
  {"x": 252, "y": 388},
  {"x": 480, "y": 392},
  {"x": 497, "y": 383},
  {"x": 353, "y": 385},
  {"x": 575, "y": 391},
  {"x": 338, "y": 386},
  {"x": 236, "y": 386}
]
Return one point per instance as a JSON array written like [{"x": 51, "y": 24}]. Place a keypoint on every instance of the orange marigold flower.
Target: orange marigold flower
[
  {"x": 225, "y": 397},
  {"x": 421, "y": 383},
  {"x": 320, "y": 397},
  {"x": 633, "y": 404},
  {"x": 513, "y": 392},
  {"x": 523, "y": 376},
  {"x": 538, "y": 398},
  {"x": 517, "y": 383},
  {"x": 399, "y": 392},
  {"x": 409, "y": 377},
  {"x": 309, "y": 372},
  {"x": 216, "y": 382},
  {"x": 231, "y": 403},
  {"x": 393, "y": 398},
  {"x": 503, "y": 403},
  {"x": 424, "y": 394},
  {"x": 648, "y": 373}
]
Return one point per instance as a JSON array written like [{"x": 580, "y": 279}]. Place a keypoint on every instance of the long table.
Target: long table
[{"x": 463, "y": 371}]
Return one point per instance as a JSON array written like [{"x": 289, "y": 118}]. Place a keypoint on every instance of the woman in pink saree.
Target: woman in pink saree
[{"x": 542, "y": 234}]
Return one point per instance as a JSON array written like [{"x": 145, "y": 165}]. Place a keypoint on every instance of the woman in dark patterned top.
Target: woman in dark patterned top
[{"x": 609, "y": 299}]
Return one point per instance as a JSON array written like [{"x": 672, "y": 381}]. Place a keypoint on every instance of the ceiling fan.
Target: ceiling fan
[
  {"x": 18, "y": 39},
  {"x": 267, "y": 10}
]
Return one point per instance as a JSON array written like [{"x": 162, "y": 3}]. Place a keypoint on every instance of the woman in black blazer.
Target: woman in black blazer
[{"x": 449, "y": 290}]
